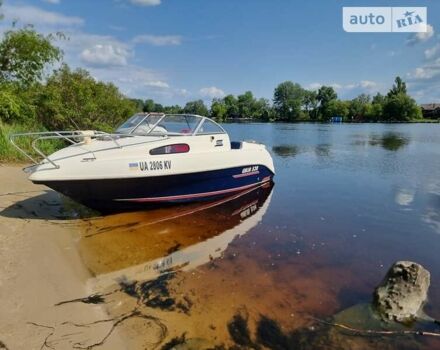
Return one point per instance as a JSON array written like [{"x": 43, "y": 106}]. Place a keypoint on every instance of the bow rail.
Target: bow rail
[{"x": 73, "y": 137}]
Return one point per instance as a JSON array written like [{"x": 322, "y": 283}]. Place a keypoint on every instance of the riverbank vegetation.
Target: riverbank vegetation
[
  {"x": 35, "y": 96},
  {"x": 292, "y": 103}
]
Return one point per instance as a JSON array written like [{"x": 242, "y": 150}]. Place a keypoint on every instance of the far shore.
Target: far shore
[{"x": 251, "y": 120}]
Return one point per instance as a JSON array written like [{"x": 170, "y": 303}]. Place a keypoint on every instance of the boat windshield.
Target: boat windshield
[
  {"x": 169, "y": 125},
  {"x": 175, "y": 125},
  {"x": 140, "y": 124}
]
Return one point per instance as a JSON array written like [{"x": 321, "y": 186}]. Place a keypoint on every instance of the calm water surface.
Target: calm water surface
[{"x": 254, "y": 271}]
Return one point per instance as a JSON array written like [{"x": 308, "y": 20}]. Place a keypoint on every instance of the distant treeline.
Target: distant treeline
[{"x": 291, "y": 102}]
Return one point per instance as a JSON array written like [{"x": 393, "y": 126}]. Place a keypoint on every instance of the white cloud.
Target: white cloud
[
  {"x": 362, "y": 85},
  {"x": 350, "y": 90},
  {"x": 105, "y": 55},
  {"x": 367, "y": 84},
  {"x": 424, "y": 80},
  {"x": 146, "y": 2},
  {"x": 182, "y": 92},
  {"x": 211, "y": 92},
  {"x": 99, "y": 52},
  {"x": 158, "y": 40},
  {"x": 157, "y": 83},
  {"x": 54, "y": 2},
  {"x": 314, "y": 86},
  {"x": 133, "y": 80},
  {"x": 416, "y": 38},
  {"x": 36, "y": 16},
  {"x": 336, "y": 86},
  {"x": 426, "y": 72},
  {"x": 432, "y": 52}
]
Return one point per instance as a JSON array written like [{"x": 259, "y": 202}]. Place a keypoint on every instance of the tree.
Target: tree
[
  {"x": 231, "y": 104},
  {"x": 337, "y": 108},
  {"x": 287, "y": 100},
  {"x": 24, "y": 54},
  {"x": 378, "y": 99},
  {"x": 326, "y": 94},
  {"x": 148, "y": 106},
  {"x": 246, "y": 105},
  {"x": 73, "y": 99},
  {"x": 360, "y": 107},
  {"x": 401, "y": 107},
  {"x": 262, "y": 109},
  {"x": 219, "y": 110},
  {"x": 196, "y": 107},
  {"x": 139, "y": 104},
  {"x": 376, "y": 111},
  {"x": 398, "y": 87},
  {"x": 310, "y": 103},
  {"x": 158, "y": 108},
  {"x": 176, "y": 109},
  {"x": 398, "y": 105}
]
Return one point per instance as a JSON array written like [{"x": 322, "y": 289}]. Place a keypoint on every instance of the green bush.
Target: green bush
[
  {"x": 9, "y": 153},
  {"x": 74, "y": 100},
  {"x": 10, "y": 106}
]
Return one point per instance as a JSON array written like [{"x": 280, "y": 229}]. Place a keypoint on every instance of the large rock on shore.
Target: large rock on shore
[{"x": 403, "y": 292}]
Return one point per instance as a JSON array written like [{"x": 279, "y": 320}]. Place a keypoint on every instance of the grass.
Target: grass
[
  {"x": 425, "y": 120},
  {"x": 8, "y": 153}
]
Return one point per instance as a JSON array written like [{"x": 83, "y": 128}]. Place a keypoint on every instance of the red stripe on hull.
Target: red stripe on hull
[
  {"x": 246, "y": 174},
  {"x": 194, "y": 195}
]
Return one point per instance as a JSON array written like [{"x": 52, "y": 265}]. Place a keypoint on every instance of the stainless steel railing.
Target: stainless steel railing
[{"x": 73, "y": 137}]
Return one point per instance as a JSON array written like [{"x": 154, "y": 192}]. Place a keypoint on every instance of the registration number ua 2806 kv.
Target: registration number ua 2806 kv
[{"x": 155, "y": 165}]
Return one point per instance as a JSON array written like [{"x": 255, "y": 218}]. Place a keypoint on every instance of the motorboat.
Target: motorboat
[{"x": 150, "y": 158}]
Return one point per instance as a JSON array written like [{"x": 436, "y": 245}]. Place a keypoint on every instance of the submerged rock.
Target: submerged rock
[{"x": 403, "y": 292}]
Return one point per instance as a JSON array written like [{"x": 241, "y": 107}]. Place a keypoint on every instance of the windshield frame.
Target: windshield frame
[{"x": 194, "y": 131}]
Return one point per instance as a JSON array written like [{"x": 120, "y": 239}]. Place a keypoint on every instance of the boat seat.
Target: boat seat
[{"x": 236, "y": 145}]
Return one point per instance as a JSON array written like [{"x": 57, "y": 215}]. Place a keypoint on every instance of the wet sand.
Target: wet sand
[{"x": 39, "y": 267}]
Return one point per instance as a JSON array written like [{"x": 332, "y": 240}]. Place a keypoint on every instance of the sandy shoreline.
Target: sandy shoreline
[{"x": 39, "y": 267}]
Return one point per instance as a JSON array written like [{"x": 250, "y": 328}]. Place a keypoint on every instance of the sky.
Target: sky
[{"x": 174, "y": 51}]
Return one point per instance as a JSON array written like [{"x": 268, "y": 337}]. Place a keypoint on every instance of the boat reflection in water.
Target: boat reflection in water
[{"x": 142, "y": 245}]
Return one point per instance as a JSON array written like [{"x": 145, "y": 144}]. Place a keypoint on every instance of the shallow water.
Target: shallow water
[{"x": 256, "y": 270}]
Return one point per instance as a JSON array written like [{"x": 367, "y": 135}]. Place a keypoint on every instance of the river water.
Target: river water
[{"x": 257, "y": 270}]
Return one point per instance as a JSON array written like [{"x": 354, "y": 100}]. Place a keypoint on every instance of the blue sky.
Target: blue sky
[{"x": 178, "y": 50}]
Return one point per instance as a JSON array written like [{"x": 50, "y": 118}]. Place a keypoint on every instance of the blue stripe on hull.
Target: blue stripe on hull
[{"x": 171, "y": 188}]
